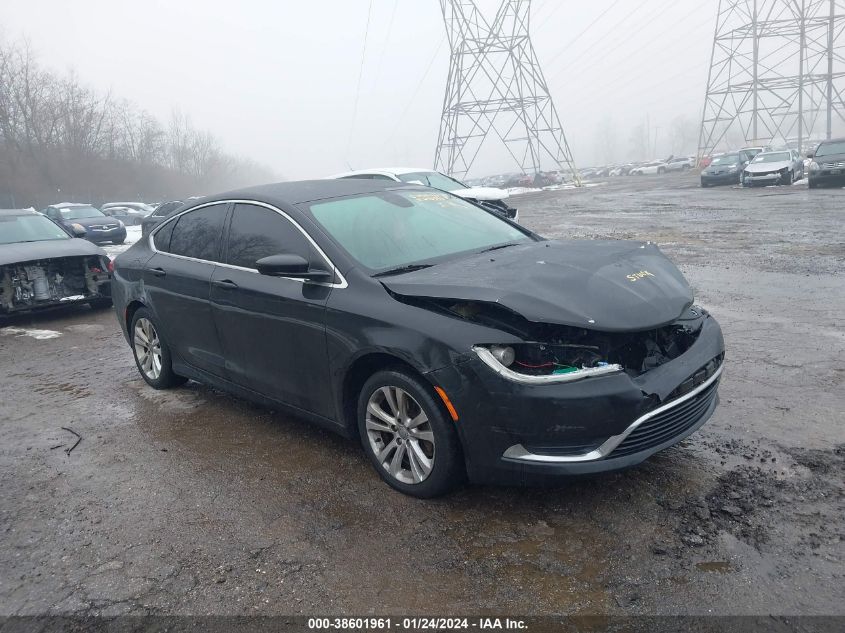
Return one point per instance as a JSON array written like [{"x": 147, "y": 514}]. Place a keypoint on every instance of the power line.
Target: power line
[
  {"x": 583, "y": 31},
  {"x": 571, "y": 62},
  {"x": 386, "y": 41},
  {"x": 417, "y": 89},
  {"x": 360, "y": 75}
]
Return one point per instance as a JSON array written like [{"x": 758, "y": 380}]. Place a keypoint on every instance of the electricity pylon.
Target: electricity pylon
[
  {"x": 777, "y": 73},
  {"x": 497, "y": 89}
]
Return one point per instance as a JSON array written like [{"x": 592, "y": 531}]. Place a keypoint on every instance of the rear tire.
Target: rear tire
[
  {"x": 407, "y": 436},
  {"x": 152, "y": 354}
]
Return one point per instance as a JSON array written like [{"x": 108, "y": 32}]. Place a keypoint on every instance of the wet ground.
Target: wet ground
[{"x": 194, "y": 502}]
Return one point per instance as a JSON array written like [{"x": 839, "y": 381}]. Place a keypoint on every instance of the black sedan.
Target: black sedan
[
  {"x": 828, "y": 164},
  {"x": 42, "y": 265},
  {"x": 725, "y": 170},
  {"x": 98, "y": 227},
  {"x": 451, "y": 341}
]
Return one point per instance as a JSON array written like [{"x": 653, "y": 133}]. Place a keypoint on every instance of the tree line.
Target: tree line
[{"x": 60, "y": 140}]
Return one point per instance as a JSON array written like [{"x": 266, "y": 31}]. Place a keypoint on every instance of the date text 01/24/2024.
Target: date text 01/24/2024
[{"x": 414, "y": 624}]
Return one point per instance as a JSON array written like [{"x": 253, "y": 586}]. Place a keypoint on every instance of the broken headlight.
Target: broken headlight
[{"x": 537, "y": 363}]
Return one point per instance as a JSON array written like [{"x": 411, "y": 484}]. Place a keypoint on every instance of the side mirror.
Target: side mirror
[
  {"x": 292, "y": 266},
  {"x": 78, "y": 230}
]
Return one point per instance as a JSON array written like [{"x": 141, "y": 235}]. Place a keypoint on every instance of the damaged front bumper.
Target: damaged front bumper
[{"x": 519, "y": 432}]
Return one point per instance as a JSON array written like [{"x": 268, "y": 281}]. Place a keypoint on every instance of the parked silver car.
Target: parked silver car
[{"x": 774, "y": 168}]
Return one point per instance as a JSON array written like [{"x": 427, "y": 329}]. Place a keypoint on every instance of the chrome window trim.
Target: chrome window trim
[
  {"x": 332, "y": 268},
  {"x": 589, "y": 372},
  {"x": 520, "y": 454}
]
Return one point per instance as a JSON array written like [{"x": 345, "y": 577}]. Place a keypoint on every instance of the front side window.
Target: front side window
[
  {"x": 198, "y": 233},
  {"x": 257, "y": 232},
  {"x": 391, "y": 229}
]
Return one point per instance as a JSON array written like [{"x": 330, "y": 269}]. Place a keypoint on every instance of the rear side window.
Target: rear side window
[
  {"x": 199, "y": 233},
  {"x": 258, "y": 232},
  {"x": 162, "y": 237}
]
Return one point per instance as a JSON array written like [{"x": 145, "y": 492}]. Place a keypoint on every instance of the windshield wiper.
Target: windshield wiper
[
  {"x": 496, "y": 248},
  {"x": 403, "y": 269}
]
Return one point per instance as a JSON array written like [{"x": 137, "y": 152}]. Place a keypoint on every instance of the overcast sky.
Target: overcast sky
[{"x": 276, "y": 80}]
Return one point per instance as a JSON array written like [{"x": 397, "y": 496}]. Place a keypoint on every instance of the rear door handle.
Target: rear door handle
[
  {"x": 226, "y": 283},
  {"x": 158, "y": 272}
]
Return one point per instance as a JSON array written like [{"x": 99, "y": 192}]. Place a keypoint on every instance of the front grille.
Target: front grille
[
  {"x": 668, "y": 424},
  {"x": 840, "y": 165}
]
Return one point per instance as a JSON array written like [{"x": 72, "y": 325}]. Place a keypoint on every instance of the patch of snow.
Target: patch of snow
[
  {"x": 803, "y": 181},
  {"x": 133, "y": 234},
  {"x": 41, "y": 335},
  {"x": 515, "y": 191}
]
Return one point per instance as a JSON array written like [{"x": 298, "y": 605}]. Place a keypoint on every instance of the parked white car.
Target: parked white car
[
  {"x": 774, "y": 168},
  {"x": 489, "y": 197},
  {"x": 650, "y": 169},
  {"x": 681, "y": 163}
]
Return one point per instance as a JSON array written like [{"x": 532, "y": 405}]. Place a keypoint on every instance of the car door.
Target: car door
[
  {"x": 272, "y": 329},
  {"x": 177, "y": 279}
]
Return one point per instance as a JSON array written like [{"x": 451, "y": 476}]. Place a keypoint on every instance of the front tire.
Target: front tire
[
  {"x": 407, "y": 436},
  {"x": 152, "y": 354}
]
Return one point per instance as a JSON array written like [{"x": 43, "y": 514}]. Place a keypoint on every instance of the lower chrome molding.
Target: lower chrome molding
[{"x": 519, "y": 453}]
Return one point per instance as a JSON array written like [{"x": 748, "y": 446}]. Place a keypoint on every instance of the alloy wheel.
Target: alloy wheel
[
  {"x": 147, "y": 348},
  {"x": 400, "y": 435}
]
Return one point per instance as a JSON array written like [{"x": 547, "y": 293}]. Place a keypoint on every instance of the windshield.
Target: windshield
[
  {"x": 433, "y": 179},
  {"x": 29, "y": 228},
  {"x": 393, "y": 229},
  {"x": 73, "y": 213},
  {"x": 727, "y": 159},
  {"x": 828, "y": 149},
  {"x": 773, "y": 157}
]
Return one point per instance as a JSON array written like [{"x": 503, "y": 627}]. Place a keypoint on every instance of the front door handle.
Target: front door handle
[
  {"x": 158, "y": 272},
  {"x": 226, "y": 283}
]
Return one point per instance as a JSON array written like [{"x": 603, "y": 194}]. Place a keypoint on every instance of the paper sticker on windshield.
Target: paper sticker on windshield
[
  {"x": 440, "y": 199},
  {"x": 429, "y": 196}
]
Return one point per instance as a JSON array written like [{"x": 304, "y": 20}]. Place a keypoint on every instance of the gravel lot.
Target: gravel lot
[{"x": 193, "y": 502}]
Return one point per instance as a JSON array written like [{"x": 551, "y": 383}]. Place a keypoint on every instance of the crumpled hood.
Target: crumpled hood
[
  {"x": 482, "y": 193},
  {"x": 47, "y": 249},
  {"x": 611, "y": 286},
  {"x": 765, "y": 168}
]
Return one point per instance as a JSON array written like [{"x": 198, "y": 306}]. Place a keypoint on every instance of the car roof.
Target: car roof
[
  {"x": 833, "y": 140},
  {"x": 298, "y": 192},
  {"x": 67, "y": 205},
  {"x": 13, "y": 212},
  {"x": 123, "y": 204},
  {"x": 387, "y": 171}
]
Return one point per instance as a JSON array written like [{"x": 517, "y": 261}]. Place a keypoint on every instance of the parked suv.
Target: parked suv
[{"x": 828, "y": 164}]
